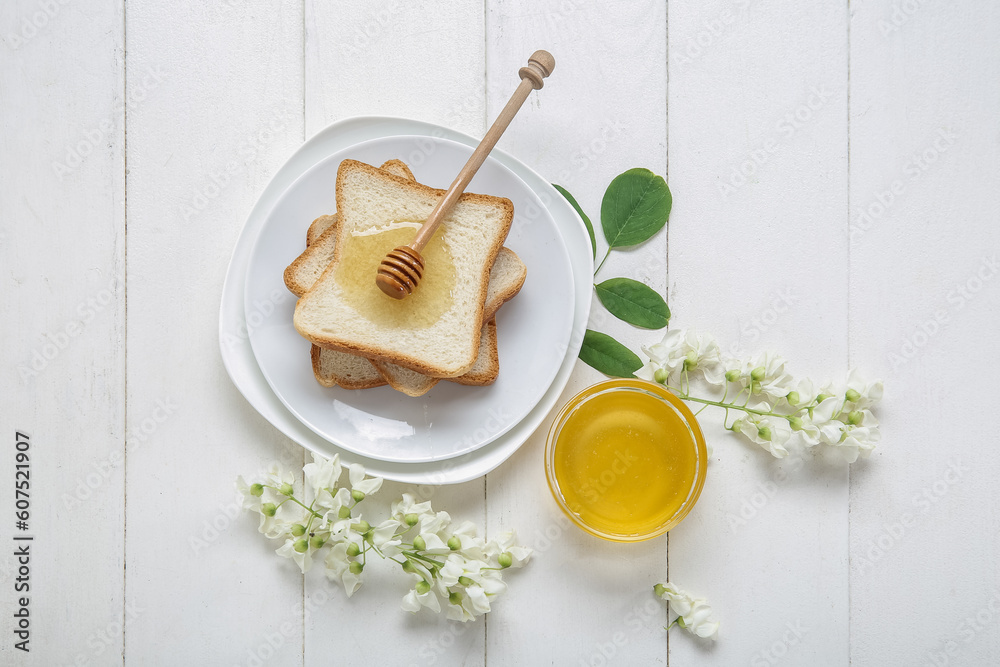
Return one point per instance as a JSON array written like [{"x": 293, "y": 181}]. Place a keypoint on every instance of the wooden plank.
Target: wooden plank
[
  {"x": 600, "y": 113},
  {"x": 420, "y": 60},
  {"x": 758, "y": 254},
  {"x": 62, "y": 301},
  {"x": 201, "y": 146},
  {"x": 925, "y": 298}
]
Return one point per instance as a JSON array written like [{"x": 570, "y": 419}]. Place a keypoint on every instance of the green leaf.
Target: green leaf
[
  {"x": 636, "y": 205},
  {"x": 634, "y": 302},
  {"x": 586, "y": 220},
  {"x": 608, "y": 355}
]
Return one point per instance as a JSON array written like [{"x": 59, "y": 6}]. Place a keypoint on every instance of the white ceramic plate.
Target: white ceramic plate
[
  {"x": 241, "y": 365},
  {"x": 451, "y": 419}
]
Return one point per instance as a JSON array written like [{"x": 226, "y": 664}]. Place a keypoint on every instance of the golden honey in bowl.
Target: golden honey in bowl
[
  {"x": 360, "y": 259},
  {"x": 625, "y": 460}
]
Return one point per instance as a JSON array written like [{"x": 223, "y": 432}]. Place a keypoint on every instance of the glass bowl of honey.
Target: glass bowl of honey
[{"x": 626, "y": 460}]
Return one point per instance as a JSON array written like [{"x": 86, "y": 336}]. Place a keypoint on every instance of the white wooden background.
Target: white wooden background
[{"x": 862, "y": 231}]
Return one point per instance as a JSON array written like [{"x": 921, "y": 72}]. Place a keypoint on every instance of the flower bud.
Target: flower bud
[
  {"x": 298, "y": 530},
  {"x": 764, "y": 432},
  {"x": 268, "y": 509},
  {"x": 454, "y": 543},
  {"x": 733, "y": 375},
  {"x": 362, "y": 526},
  {"x": 736, "y": 425},
  {"x": 422, "y": 587},
  {"x": 455, "y": 597},
  {"x": 754, "y": 387},
  {"x": 795, "y": 423},
  {"x": 852, "y": 395},
  {"x": 286, "y": 489},
  {"x": 506, "y": 559},
  {"x": 317, "y": 541},
  {"x": 855, "y": 417},
  {"x": 344, "y": 512},
  {"x": 353, "y": 549},
  {"x": 661, "y": 375},
  {"x": 659, "y": 589},
  {"x": 419, "y": 544},
  {"x": 411, "y": 519},
  {"x": 357, "y": 495},
  {"x": 822, "y": 397},
  {"x": 257, "y": 490},
  {"x": 408, "y": 567},
  {"x": 793, "y": 398},
  {"x": 758, "y": 374},
  {"x": 690, "y": 360},
  {"x": 465, "y": 581},
  {"x": 301, "y": 545},
  {"x": 356, "y": 567}
]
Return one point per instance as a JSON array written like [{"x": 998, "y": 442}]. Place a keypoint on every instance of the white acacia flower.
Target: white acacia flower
[
  {"x": 434, "y": 523},
  {"x": 303, "y": 559},
  {"x": 338, "y": 566},
  {"x": 460, "y": 612},
  {"x": 322, "y": 473},
  {"x": 767, "y": 369},
  {"x": 693, "y": 614},
  {"x": 771, "y": 433},
  {"x": 680, "y": 350},
  {"x": 247, "y": 499},
  {"x": 384, "y": 537},
  {"x": 408, "y": 505},
  {"x": 507, "y": 543},
  {"x": 366, "y": 486},
  {"x": 858, "y": 439},
  {"x": 860, "y": 394},
  {"x": 331, "y": 503},
  {"x": 414, "y": 601}
]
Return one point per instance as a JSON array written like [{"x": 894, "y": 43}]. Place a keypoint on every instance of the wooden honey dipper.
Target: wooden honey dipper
[{"x": 401, "y": 270}]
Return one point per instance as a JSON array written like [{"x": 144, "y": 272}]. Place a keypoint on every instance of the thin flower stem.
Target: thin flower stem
[
  {"x": 720, "y": 404},
  {"x": 308, "y": 509},
  {"x": 606, "y": 255}
]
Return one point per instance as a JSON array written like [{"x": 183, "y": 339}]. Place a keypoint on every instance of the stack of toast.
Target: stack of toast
[{"x": 447, "y": 329}]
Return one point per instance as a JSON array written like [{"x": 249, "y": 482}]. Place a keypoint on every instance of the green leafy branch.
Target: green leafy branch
[{"x": 635, "y": 207}]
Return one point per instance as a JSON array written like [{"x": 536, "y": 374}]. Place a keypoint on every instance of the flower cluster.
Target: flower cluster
[
  {"x": 692, "y": 614},
  {"x": 447, "y": 563},
  {"x": 772, "y": 404}
]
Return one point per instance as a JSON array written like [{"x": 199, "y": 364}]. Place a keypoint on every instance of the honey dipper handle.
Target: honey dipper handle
[{"x": 540, "y": 65}]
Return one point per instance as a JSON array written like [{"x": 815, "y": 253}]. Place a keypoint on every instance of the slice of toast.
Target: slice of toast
[
  {"x": 341, "y": 368},
  {"x": 335, "y": 368},
  {"x": 350, "y": 371},
  {"x": 437, "y": 337}
]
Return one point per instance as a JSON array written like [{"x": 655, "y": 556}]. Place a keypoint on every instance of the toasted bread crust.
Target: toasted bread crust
[{"x": 402, "y": 359}]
